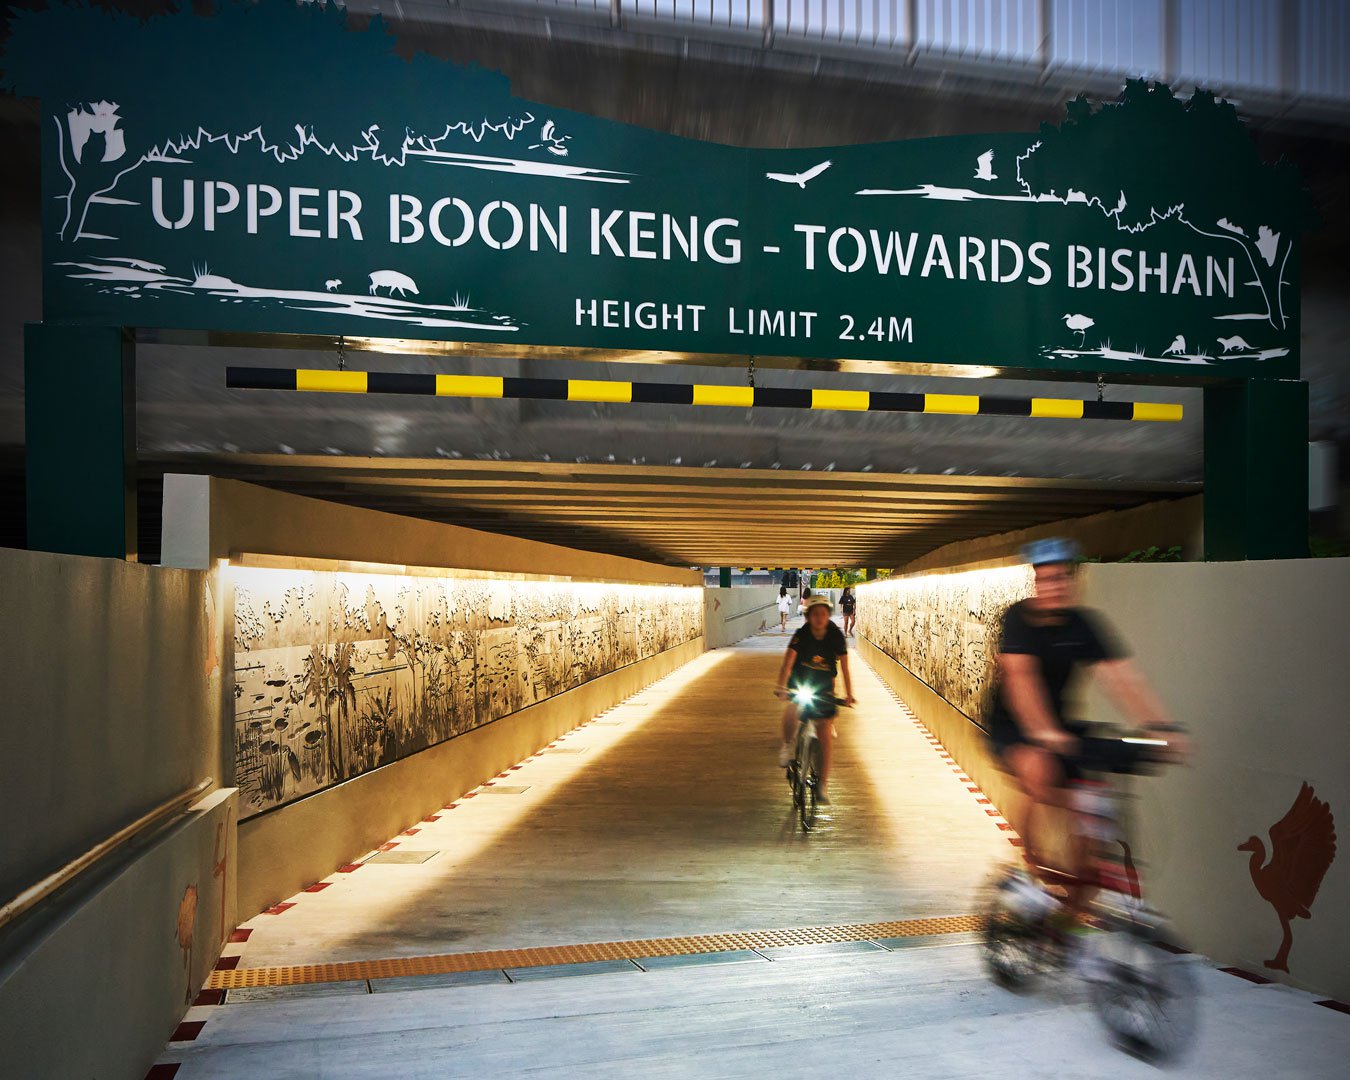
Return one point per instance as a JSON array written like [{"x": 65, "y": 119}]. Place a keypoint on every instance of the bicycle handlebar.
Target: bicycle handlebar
[
  {"x": 1125, "y": 755},
  {"x": 790, "y": 695}
]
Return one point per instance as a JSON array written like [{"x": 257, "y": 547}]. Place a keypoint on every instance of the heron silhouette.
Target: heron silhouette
[
  {"x": 1304, "y": 845},
  {"x": 1080, "y": 325}
]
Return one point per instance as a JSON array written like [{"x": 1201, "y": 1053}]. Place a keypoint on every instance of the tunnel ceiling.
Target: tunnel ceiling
[{"x": 693, "y": 516}]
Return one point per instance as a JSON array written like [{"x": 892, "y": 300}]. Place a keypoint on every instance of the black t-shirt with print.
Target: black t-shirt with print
[
  {"x": 817, "y": 660},
  {"x": 847, "y": 603},
  {"x": 1073, "y": 638}
]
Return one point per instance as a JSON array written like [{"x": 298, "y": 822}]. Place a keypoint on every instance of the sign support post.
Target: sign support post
[
  {"x": 1256, "y": 470},
  {"x": 80, "y": 436}
]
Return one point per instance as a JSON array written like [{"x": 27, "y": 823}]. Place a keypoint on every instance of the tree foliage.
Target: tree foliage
[
  {"x": 282, "y": 52},
  {"x": 1126, "y": 158}
]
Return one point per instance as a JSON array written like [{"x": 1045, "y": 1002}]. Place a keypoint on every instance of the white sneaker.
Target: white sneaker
[{"x": 785, "y": 754}]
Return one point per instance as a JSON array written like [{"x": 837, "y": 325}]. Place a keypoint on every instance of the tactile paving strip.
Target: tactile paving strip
[{"x": 575, "y": 954}]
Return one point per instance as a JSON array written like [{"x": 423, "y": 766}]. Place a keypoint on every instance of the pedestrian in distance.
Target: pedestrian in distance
[
  {"x": 784, "y": 608},
  {"x": 848, "y": 606}
]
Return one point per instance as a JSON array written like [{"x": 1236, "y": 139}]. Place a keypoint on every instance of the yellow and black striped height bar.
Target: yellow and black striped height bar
[{"x": 654, "y": 393}]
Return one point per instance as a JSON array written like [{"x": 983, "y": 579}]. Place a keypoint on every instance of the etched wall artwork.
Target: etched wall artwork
[
  {"x": 339, "y": 673},
  {"x": 944, "y": 628}
]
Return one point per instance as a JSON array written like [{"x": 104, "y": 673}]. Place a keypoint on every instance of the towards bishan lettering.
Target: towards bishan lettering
[{"x": 647, "y": 235}]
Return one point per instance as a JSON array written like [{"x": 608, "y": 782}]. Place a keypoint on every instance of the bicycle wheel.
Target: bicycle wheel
[
  {"x": 1145, "y": 994},
  {"x": 810, "y": 781},
  {"x": 1016, "y": 948}
]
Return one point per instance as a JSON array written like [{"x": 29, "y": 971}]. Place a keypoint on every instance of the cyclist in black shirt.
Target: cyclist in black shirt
[
  {"x": 1046, "y": 640},
  {"x": 816, "y": 653}
]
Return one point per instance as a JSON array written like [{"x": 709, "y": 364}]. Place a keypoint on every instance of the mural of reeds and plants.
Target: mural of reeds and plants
[
  {"x": 338, "y": 673},
  {"x": 945, "y": 628}
]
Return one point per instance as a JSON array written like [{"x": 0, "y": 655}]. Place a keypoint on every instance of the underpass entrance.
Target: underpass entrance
[{"x": 494, "y": 226}]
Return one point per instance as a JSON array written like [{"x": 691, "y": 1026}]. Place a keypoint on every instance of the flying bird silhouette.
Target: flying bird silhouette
[
  {"x": 1080, "y": 325},
  {"x": 984, "y": 167},
  {"x": 801, "y": 178},
  {"x": 1304, "y": 843}
]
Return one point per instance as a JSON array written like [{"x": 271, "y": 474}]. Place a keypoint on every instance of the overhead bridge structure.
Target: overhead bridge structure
[
  {"x": 369, "y": 711},
  {"x": 695, "y": 517}
]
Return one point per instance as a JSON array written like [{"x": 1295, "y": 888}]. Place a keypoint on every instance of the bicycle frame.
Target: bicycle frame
[
  {"x": 803, "y": 784},
  {"x": 1097, "y": 823}
]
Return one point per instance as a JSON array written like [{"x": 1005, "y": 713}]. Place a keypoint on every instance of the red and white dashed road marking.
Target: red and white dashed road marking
[
  {"x": 980, "y": 798},
  {"x": 207, "y": 1001}
]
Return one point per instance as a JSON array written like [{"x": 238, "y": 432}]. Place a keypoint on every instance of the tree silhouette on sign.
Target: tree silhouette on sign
[
  {"x": 111, "y": 113},
  {"x": 1126, "y": 159}
]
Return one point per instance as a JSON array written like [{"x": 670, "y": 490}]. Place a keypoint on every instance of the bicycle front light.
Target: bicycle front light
[{"x": 804, "y": 697}]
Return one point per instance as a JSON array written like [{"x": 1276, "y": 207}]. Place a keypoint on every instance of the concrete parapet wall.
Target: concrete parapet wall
[
  {"x": 282, "y": 851},
  {"x": 1250, "y": 656},
  {"x": 111, "y": 703},
  {"x": 97, "y": 988},
  {"x": 730, "y": 615}
]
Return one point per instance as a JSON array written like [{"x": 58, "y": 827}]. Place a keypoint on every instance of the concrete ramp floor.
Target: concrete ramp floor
[
  {"x": 666, "y": 816},
  {"x": 731, "y": 945}
]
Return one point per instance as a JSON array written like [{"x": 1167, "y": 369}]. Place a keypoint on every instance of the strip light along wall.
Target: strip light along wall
[{"x": 652, "y": 393}]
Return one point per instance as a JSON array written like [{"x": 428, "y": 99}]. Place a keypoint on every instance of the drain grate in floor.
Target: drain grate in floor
[
  {"x": 549, "y": 955},
  {"x": 505, "y": 789},
  {"x": 402, "y": 855}
]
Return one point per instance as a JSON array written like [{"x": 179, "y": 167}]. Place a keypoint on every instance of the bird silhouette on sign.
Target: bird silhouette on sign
[
  {"x": 1080, "y": 325},
  {"x": 801, "y": 178},
  {"x": 1304, "y": 845},
  {"x": 984, "y": 166}
]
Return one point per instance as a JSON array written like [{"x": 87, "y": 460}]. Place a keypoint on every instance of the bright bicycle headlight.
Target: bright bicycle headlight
[{"x": 804, "y": 696}]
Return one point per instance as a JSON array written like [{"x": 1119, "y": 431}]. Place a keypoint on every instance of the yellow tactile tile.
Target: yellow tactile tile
[{"x": 543, "y": 956}]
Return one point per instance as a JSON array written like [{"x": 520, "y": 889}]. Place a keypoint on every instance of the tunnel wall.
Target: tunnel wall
[
  {"x": 730, "y": 615},
  {"x": 283, "y": 851},
  {"x": 111, "y": 708},
  {"x": 1110, "y": 535},
  {"x": 379, "y": 666},
  {"x": 112, "y": 680},
  {"x": 1250, "y": 657}
]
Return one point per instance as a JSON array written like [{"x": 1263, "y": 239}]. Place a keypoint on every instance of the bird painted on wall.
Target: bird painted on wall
[
  {"x": 1303, "y": 846},
  {"x": 1080, "y": 325},
  {"x": 801, "y": 178},
  {"x": 984, "y": 166}
]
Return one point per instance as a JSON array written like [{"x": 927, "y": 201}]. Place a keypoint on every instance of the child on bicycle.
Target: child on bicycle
[{"x": 816, "y": 654}]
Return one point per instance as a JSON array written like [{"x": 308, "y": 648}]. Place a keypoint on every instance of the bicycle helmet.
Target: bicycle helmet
[
  {"x": 1053, "y": 549},
  {"x": 819, "y": 600}
]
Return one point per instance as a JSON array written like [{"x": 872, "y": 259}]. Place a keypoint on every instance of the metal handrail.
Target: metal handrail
[{"x": 36, "y": 893}]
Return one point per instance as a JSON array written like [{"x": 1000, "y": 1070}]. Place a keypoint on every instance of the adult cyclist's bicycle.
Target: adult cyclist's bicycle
[
  {"x": 1143, "y": 990},
  {"x": 803, "y": 771}
]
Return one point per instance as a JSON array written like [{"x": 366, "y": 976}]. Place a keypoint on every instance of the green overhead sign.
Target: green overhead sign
[{"x": 266, "y": 169}]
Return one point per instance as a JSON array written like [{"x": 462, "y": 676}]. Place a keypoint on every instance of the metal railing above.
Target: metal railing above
[
  {"x": 41, "y": 890},
  {"x": 1271, "y": 52}
]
